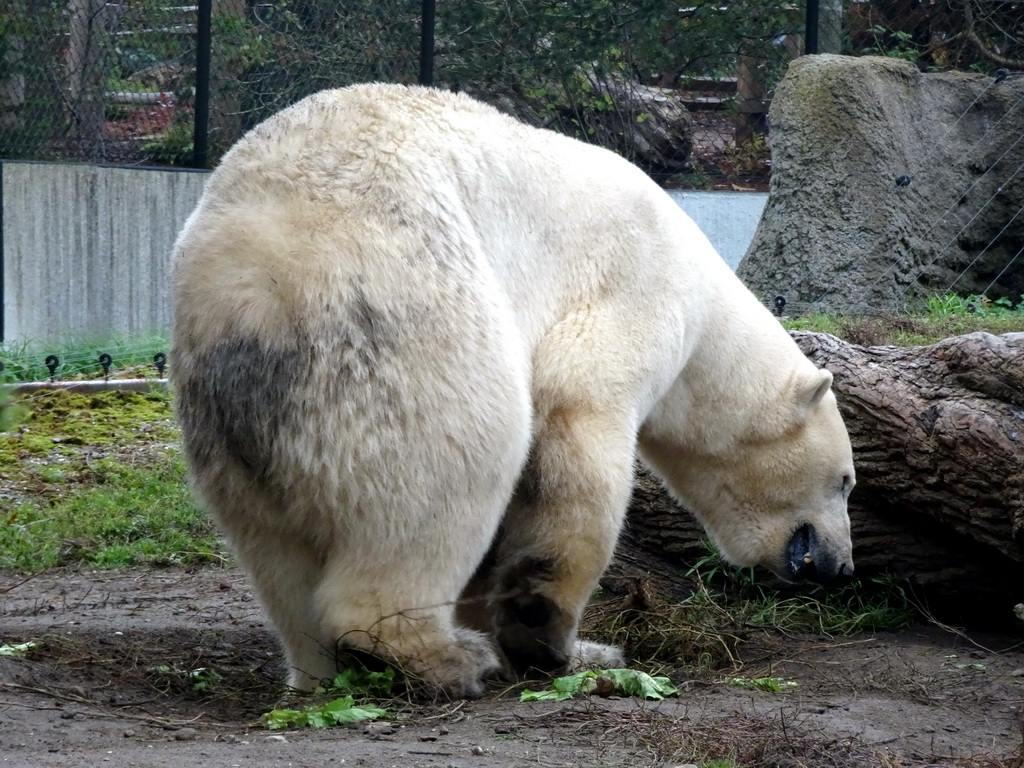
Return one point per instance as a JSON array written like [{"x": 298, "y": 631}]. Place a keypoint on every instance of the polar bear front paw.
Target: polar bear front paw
[
  {"x": 460, "y": 668},
  {"x": 596, "y": 656}
]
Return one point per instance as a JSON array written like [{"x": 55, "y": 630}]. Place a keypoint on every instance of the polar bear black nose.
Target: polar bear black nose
[{"x": 808, "y": 560}]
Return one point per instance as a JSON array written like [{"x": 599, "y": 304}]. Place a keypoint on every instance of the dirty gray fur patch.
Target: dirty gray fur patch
[
  {"x": 530, "y": 627},
  {"x": 360, "y": 340},
  {"x": 238, "y": 396},
  {"x": 372, "y": 326},
  {"x": 236, "y": 399}
]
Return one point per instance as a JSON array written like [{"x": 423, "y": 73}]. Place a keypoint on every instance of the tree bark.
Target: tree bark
[{"x": 938, "y": 440}]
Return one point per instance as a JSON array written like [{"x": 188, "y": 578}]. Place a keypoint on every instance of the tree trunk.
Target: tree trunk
[{"x": 938, "y": 440}]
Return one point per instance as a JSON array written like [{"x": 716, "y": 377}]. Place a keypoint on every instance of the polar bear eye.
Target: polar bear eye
[{"x": 847, "y": 485}]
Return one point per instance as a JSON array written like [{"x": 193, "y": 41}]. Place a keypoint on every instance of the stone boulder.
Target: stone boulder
[{"x": 890, "y": 185}]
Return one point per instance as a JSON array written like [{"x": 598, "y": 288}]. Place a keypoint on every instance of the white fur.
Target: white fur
[{"x": 459, "y": 305}]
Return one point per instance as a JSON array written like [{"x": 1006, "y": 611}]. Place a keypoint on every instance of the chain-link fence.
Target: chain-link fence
[{"x": 682, "y": 89}]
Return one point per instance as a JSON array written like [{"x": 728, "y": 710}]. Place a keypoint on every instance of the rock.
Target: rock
[
  {"x": 186, "y": 734},
  {"x": 376, "y": 730},
  {"x": 604, "y": 686},
  {"x": 877, "y": 171},
  {"x": 276, "y": 739}
]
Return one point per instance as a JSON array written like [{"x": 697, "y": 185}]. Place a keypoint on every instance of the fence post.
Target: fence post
[
  {"x": 3, "y": 252},
  {"x": 811, "y": 27},
  {"x": 204, "y": 47},
  {"x": 427, "y": 43}
]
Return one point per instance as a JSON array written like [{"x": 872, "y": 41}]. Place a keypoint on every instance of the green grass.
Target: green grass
[
  {"x": 130, "y": 517},
  {"x": 761, "y": 601},
  {"x": 79, "y": 357},
  {"x": 96, "y": 479},
  {"x": 728, "y": 608},
  {"x": 904, "y": 330},
  {"x": 939, "y": 318}
]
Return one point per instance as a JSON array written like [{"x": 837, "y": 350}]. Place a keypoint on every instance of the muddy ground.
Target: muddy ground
[{"x": 109, "y": 685}]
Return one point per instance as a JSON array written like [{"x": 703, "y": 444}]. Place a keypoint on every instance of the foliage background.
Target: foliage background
[{"x": 115, "y": 82}]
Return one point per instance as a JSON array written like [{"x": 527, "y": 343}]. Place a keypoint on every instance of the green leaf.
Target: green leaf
[
  {"x": 340, "y": 711},
  {"x": 355, "y": 714},
  {"x": 283, "y": 718},
  {"x": 356, "y": 680},
  {"x": 632, "y": 682},
  {"x": 572, "y": 684},
  {"x": 628, "y": 682},
  {"x": 16, "y": 650},
  {"x": 528, "y": 695}
]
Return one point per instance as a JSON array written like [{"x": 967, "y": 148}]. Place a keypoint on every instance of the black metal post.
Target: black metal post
[
  {"x": 811, "y": 27},
  {"x": 204, "y": 47},
  {"x": 1, "y": 251},
  {"x": 427, "y": 43}
]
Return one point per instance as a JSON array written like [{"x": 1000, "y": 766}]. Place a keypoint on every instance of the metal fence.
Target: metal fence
[{"x": 681, "y": 89}]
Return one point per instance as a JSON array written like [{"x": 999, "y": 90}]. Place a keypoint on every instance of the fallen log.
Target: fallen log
[{"x": 938, "y": 440}]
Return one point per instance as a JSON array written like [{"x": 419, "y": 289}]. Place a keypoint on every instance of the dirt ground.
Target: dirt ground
[{"x": 109, "y": 685}]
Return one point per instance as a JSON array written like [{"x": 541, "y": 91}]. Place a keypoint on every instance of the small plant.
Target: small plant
[
  {"x": 750, "y": 157},
  {"x": 174, "y": 146},
  {"x": 977, "y": 304},
  {"x": 198, "y": 680},
  {"x": 766, "y": 684},
  {"x": 944, "y": 306},
  {"x": 894, "y": 43}
]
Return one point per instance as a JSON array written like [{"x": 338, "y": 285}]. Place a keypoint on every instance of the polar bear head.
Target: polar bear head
[{"x": 769, "y": 483}]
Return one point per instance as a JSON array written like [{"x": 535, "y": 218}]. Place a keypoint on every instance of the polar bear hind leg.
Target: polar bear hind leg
[
  {"x": 285, "y": 572},
  {"x": 355, "y": 595}
]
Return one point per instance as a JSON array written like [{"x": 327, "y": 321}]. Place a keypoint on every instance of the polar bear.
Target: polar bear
[{"x": 417, "y": 346}]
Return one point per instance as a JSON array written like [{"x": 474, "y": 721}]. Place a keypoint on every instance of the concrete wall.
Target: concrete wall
[
  {"x": 729, "y": 219},
  {"x": 86, "y": 248}
]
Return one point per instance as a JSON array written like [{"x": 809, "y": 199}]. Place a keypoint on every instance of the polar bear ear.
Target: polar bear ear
[{"x": 811, "y": 390}]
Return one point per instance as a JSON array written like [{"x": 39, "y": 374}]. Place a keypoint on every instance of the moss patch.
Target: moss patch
[{"x": 62, "y": 419}]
